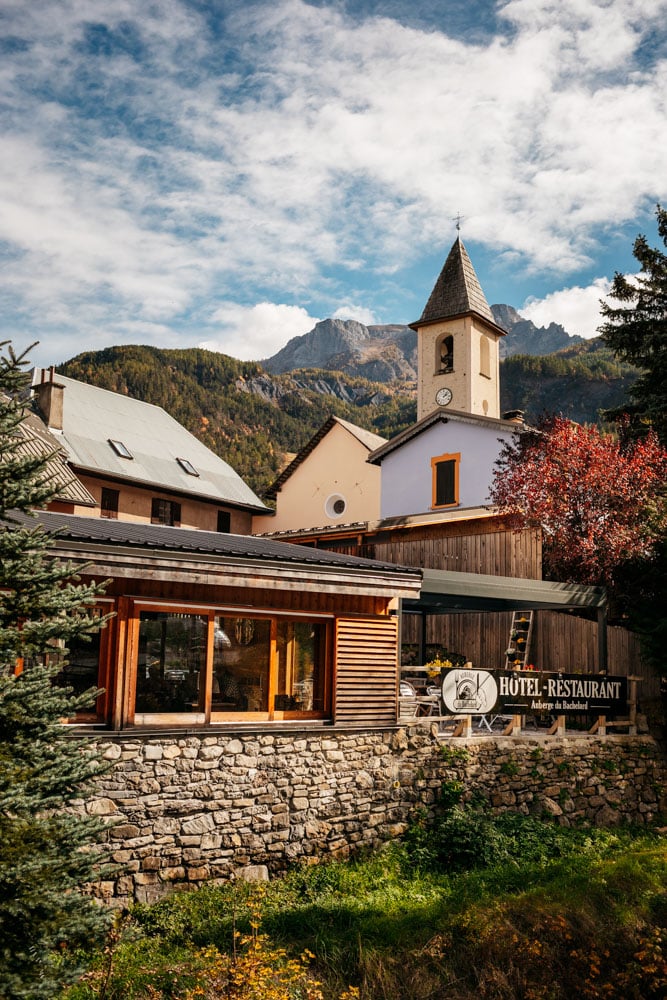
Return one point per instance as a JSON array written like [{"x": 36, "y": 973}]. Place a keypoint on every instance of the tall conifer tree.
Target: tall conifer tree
[
  {"x": 47, "y": 851},
  {"x": 636, "y": 330}
]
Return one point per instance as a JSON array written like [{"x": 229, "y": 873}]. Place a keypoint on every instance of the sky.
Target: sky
[{"x": 225, "y": 173}]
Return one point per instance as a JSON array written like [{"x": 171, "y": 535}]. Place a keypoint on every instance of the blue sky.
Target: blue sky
[{"x": 207, "y": 172}]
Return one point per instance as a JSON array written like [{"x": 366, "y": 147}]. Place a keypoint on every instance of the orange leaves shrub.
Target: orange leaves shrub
[{"x": 599, "y": 502}]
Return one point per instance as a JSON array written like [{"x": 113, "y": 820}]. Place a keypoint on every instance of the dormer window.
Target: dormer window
[
  {"x": 187, "y": 466},
  {"x": 120, "y": 449}
]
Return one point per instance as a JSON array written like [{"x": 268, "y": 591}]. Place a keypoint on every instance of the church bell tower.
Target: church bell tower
[{"x": 457, "y": 344}]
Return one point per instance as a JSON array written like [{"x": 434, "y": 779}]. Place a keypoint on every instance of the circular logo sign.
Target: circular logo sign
[{"x": 469, "y": 692}]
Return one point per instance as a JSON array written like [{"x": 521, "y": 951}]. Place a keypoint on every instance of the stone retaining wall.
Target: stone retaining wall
[{"x": 186, "y": 809}]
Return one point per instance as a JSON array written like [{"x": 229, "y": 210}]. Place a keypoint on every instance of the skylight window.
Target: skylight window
[
  {"x": 187, "y": 466},
  {"x": 120, "y": 449}
]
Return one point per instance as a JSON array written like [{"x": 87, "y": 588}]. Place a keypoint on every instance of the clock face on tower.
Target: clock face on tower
[{"x": 443, "y": 397}]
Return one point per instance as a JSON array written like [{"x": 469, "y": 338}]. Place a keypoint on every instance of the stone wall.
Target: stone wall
[{"x": 186, "y": 809}]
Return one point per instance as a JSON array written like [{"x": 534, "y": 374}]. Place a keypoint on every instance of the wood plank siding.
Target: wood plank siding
[
  {"x": 560, "y": 642},
  {"x": 467, "y": 547},
  {"x": 366, "y": 671}
]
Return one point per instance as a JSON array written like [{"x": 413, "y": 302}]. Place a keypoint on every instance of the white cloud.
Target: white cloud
[
  {"x": 576, "y": 309},
  {"x": 252, "y": 333},
  {"x": 169, "y": 168},
  {"x": 360, "y": 313}
]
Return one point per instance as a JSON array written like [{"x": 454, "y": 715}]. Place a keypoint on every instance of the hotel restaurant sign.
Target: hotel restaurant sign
[{"x": 511, "y": 692}]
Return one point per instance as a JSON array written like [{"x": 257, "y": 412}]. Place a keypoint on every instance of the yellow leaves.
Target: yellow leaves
[{"x": 258, "y": 969}]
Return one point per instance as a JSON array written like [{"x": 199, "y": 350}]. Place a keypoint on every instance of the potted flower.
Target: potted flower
[{"x": 435, "y": 667}]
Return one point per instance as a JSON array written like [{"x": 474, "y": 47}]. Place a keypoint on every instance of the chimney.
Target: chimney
[
  {"x": 49, "y": 396},
  {"x": 516, "y": 416}
]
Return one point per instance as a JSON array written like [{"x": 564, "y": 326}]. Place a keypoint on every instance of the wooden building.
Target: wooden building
[{"x": 218, "y": 629}]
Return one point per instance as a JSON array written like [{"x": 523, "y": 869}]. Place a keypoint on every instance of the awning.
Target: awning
[{"x": 449, "y": 592}]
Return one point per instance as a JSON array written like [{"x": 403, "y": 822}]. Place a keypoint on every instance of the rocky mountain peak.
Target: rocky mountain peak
[{"x": 329, "y": 338}]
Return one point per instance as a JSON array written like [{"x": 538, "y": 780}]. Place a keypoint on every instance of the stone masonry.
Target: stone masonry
[{"x": 183, "y": 810}]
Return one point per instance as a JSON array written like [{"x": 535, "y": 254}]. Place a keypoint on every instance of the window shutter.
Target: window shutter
[
  {"x": 366, "y": 672},
  {"x": 445, "y": 483}
]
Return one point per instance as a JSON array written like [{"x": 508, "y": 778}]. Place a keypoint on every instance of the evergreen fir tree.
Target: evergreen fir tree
[
  {"x": 48, "y": 848},
  {"x": 637, "y": 329}
]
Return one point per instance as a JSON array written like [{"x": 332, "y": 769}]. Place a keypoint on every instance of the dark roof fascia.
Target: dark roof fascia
[
  {"x": 371, "y": 530},
  {"x": 152, "y": 538},
  {"x": 170, "y": 491},
  {"x": 469, "y": 312},
  {"x": 441, "y": 416}
]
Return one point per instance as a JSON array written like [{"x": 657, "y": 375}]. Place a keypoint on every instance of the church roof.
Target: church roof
[{"x": 457, "y": 291}]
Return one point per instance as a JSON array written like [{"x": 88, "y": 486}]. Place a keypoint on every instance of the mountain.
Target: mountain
[
  {"x": 378, "y": 353},
  {"x": 523, "y": 337},
  {"x": 580, "y": 382},
  {"x": 252, "y": 419},
  {"x": 387, "y": 353}
]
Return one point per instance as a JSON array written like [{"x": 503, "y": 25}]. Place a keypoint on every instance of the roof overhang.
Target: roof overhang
[
  {"x": 449, "y": 592},
  {"x": 493, "y": 327}
]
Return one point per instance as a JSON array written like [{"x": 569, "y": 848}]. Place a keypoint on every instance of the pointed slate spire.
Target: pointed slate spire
[{"x": 456, "y": 291}]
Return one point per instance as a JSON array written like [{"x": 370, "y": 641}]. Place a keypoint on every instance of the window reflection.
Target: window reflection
[
  {"x": 241, "y": 657},
  {"x": 300, "y": 678},
  {"x": 259, "y": 665},
  {"x": 172, "y": 657}
]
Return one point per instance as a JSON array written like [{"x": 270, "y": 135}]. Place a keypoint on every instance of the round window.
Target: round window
[{"x": 335, "y": 506}]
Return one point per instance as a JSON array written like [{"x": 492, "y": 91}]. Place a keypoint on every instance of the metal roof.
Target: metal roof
[
  {"x": 93, "y": 416},
  {"x": 158, "y": 537},
  {"x": 37, "y": 442},
  {"x": 457, "y": 292},
  {"x": 451, "y": 592}
]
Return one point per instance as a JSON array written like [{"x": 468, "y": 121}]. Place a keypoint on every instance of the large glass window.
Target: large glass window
[
  {"x": 80, "y": 671},
  {"x": 172, "y": 662},
  {"x": 268, "y": 667},
  {"x": 300, "y": 667},
  {"x": 241, "y": 658}
]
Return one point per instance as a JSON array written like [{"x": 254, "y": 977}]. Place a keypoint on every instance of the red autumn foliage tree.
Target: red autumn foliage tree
[{"x": 600, "y": 503}]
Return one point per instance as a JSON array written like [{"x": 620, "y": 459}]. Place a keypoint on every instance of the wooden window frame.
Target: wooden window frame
[
  {"x": 124, "y": 710},
  {"x": 106, "y": 509},
  {"x": 174, "y": 507},
  {"x": 454, "y": 457}
]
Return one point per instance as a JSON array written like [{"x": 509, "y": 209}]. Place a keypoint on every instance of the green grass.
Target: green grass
[{"x": 548, "y": 914}]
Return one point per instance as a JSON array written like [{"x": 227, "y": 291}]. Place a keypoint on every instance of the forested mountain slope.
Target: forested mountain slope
[{"x": 580, "y": 382}]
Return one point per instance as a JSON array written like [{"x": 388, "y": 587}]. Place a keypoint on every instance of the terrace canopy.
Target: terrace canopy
[{"x": 446, "y": 592}]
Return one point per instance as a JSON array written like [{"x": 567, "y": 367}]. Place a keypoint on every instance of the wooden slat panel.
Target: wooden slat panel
[
  {"x": 560, "y": 642},
  {"x": 366, "y": 670}
]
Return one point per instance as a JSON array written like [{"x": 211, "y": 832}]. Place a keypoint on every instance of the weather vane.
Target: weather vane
[{"x": 458, "y": 219}]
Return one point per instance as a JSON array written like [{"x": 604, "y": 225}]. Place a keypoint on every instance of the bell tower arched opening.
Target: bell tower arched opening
[{"x": 444, "y": 355}]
